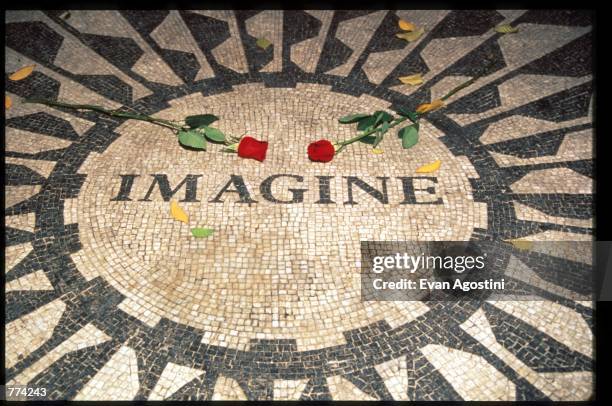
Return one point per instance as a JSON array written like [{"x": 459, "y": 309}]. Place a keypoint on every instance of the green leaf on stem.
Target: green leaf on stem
[
  {"x": 409, "y": 136},
  {"x": 382, "y": 116},
  {"x": 412, "y": 115},
  {"x": 381, "y": 133},
  {"x": 214, "y": 134},
  {"x": 200, "y": 120},
  {"x": 366, "y": 123},
  {"x": 379, "y": 118},
  {"x": 202, "y": 232},
  {"x": 368, "y": 139},
  {"x": 385, "y": 127},
  {"x": 352, "y": 118},
  {"x": 192, "y": 139},
  {"x": 378, "y": 139}
]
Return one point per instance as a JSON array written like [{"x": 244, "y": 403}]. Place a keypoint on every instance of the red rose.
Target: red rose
[
  {"x": 249, "y": 147},
  {"x": 321, "y": 151}
]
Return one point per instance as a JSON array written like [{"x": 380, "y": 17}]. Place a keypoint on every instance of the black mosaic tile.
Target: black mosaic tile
[{"x": 257, "y": 367}]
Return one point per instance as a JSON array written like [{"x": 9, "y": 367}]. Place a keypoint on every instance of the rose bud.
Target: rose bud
[
  {"x": 249, "y": 147},
  {"x": 321, "y": 151}
]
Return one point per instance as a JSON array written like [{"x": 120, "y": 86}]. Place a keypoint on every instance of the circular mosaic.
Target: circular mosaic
[
  {"x": 283, "y": 264},
  {"x": 104, "y": 287}
]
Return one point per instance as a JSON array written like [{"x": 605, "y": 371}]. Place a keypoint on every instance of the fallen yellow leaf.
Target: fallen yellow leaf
[
  {"x": 377, "y": 151},
  {"x": 7, "y": 102},
  {"x": 412, "y": 35},
  {"x": 406, "y": 26},
  {"x": 426, "y": 107},
  {"x": 432, "y": 167},
  {"x": 22, "y": 73},
  {"x": 263, "y": 43},
  {"x": 178, "y": 213},
  {"x": 506, "y": 29},
  {"x": 413, "y": 80},
  {"x": 522, "y": 245}
]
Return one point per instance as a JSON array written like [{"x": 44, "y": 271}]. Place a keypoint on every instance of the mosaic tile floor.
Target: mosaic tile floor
[{"x": 110, "y": 299}]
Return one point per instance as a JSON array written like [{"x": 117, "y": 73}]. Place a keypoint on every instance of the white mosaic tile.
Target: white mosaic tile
[
  {"x": 341, "y": 389},
  {"x": 172, "y": 379},
  {"x": 117, "y": 380},
  {"x": 289, "y": 389},
  {"x": 395, "y": 375},
  {"x": 28, "y": 333},
  {"x": 469, "y": 374},
  {"x": 228, "y": 389},
  {"x": 32, "y": 281}
]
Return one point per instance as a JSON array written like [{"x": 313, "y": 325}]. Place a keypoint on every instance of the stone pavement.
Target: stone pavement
[{"x": 109, "y": 298}]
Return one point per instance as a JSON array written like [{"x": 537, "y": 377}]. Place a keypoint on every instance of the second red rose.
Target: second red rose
[{"x": 321, "y": 151}]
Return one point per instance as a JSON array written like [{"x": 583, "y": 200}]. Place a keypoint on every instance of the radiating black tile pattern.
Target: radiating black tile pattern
[
  {"x": 537, "y": 350},
  {"x": 44, "y": 123},
  {"x": 454, "y": 24},
  {"x": 411, "y": 64},
  {"x": 144, "y": 22},
  {"x": 22, "y": 303},
  {"x": 255, "y": 369},
  {"x": 426, "y": 383},
  {"x": 573, "y": 59},
  {"x": 473, "y": 62},
  {"x": 563, "y": 106},
  {"x": 199, "y": 389},
  {"x": 576, "y": 276},
  {"x": 34, "y": 39},
  {"x": 257, "y": 388},
  {"x": 121, "y": 52},
  {"x": 16, "y": 175},
  {"x": 25, "y": 266},
  {"x": 80, "y": 365},
  {"x": 481, "y": 100},
  {"x": 39, "y": 42},
  {"x": 583, "y": 167},
  {"x": 316, "y": 389},
  {"x": 14, "y": 236},
  {"x": 52, "y": 155},
  {"x": 370, "y": 383},
  {"x": 558, "y": 17},
  {"x": 108, "y": 86},
  {"x": 257, "y": 57},
  {"x": 537, "y": 145},
  {"x": 298, "y": 26},
  {"x": 38, "y": 85},
  {"x": 527, "y": 392},
  {"x": 384, "y": 39},
  {"x": 185, "y": 64},
  {"x": 335, "y": 52},
  {"x": 208, "y": 33},
  {"x": 566, "y": 205}
]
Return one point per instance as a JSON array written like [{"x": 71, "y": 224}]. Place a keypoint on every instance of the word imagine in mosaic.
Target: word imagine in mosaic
[{"x": 415, "y": 190}]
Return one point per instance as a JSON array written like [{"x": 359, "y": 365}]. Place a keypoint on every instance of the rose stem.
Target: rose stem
[
  {"x": 112, "y": 113},
  {"x": 402, "y": 119}
]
